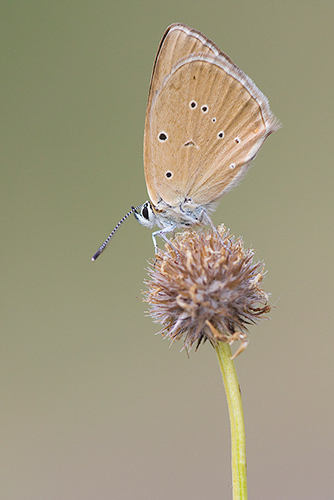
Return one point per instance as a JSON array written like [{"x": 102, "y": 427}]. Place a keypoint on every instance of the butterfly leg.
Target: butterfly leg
[
  {"x": 207, "y": 220},
  {"x": 162, "y": 234}
]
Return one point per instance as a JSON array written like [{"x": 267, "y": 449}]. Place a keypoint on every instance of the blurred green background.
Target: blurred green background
[{"x": 93, "y": 405}]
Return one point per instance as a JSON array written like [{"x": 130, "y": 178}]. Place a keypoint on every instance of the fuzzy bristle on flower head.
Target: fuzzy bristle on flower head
[{"x": 206, "y": 287}]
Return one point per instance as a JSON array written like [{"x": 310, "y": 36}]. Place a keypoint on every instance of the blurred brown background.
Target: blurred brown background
[{"x": 93, "y": 405}]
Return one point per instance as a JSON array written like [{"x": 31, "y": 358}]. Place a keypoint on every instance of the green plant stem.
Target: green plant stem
[{"x": 238, "y": 442}]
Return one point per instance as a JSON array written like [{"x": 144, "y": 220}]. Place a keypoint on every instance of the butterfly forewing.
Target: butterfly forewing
[{"x": 205, "y": 121}]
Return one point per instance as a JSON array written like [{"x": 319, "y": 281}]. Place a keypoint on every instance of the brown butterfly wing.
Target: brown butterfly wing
[{"x": 205, "y": 121}]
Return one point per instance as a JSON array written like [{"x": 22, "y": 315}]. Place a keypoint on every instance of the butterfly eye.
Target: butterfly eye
[
  {"x": 169, "y": 174},
  {"x": 220, "y": 135},
  {"x": 144, "y": 212},
  {"x": 205, "y": 108},
  {"x": 193, "y": 104},
  {"x": 162, "y": 137}
]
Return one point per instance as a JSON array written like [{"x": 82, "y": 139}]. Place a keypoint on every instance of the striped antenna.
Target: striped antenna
[{"x": 103, "y": 246}]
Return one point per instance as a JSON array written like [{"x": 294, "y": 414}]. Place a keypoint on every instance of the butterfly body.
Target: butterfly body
[
  {"x": 169, "y": 218},
  {"x": 184, "y": 214}
]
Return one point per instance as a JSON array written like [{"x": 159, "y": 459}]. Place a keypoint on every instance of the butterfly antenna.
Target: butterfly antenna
[{"x": 103, "y": 246}]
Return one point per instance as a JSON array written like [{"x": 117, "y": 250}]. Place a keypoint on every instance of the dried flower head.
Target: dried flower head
[{"x": 206, "y": 287}]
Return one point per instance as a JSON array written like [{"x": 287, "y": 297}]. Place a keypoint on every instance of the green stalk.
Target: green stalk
[{"x": 238, "y": 443}]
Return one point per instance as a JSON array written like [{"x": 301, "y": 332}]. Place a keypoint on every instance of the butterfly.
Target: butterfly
[{"x": 205, "y": 122}]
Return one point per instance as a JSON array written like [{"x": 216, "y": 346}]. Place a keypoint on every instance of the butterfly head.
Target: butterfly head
[{"x": 145, "y": 215}]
